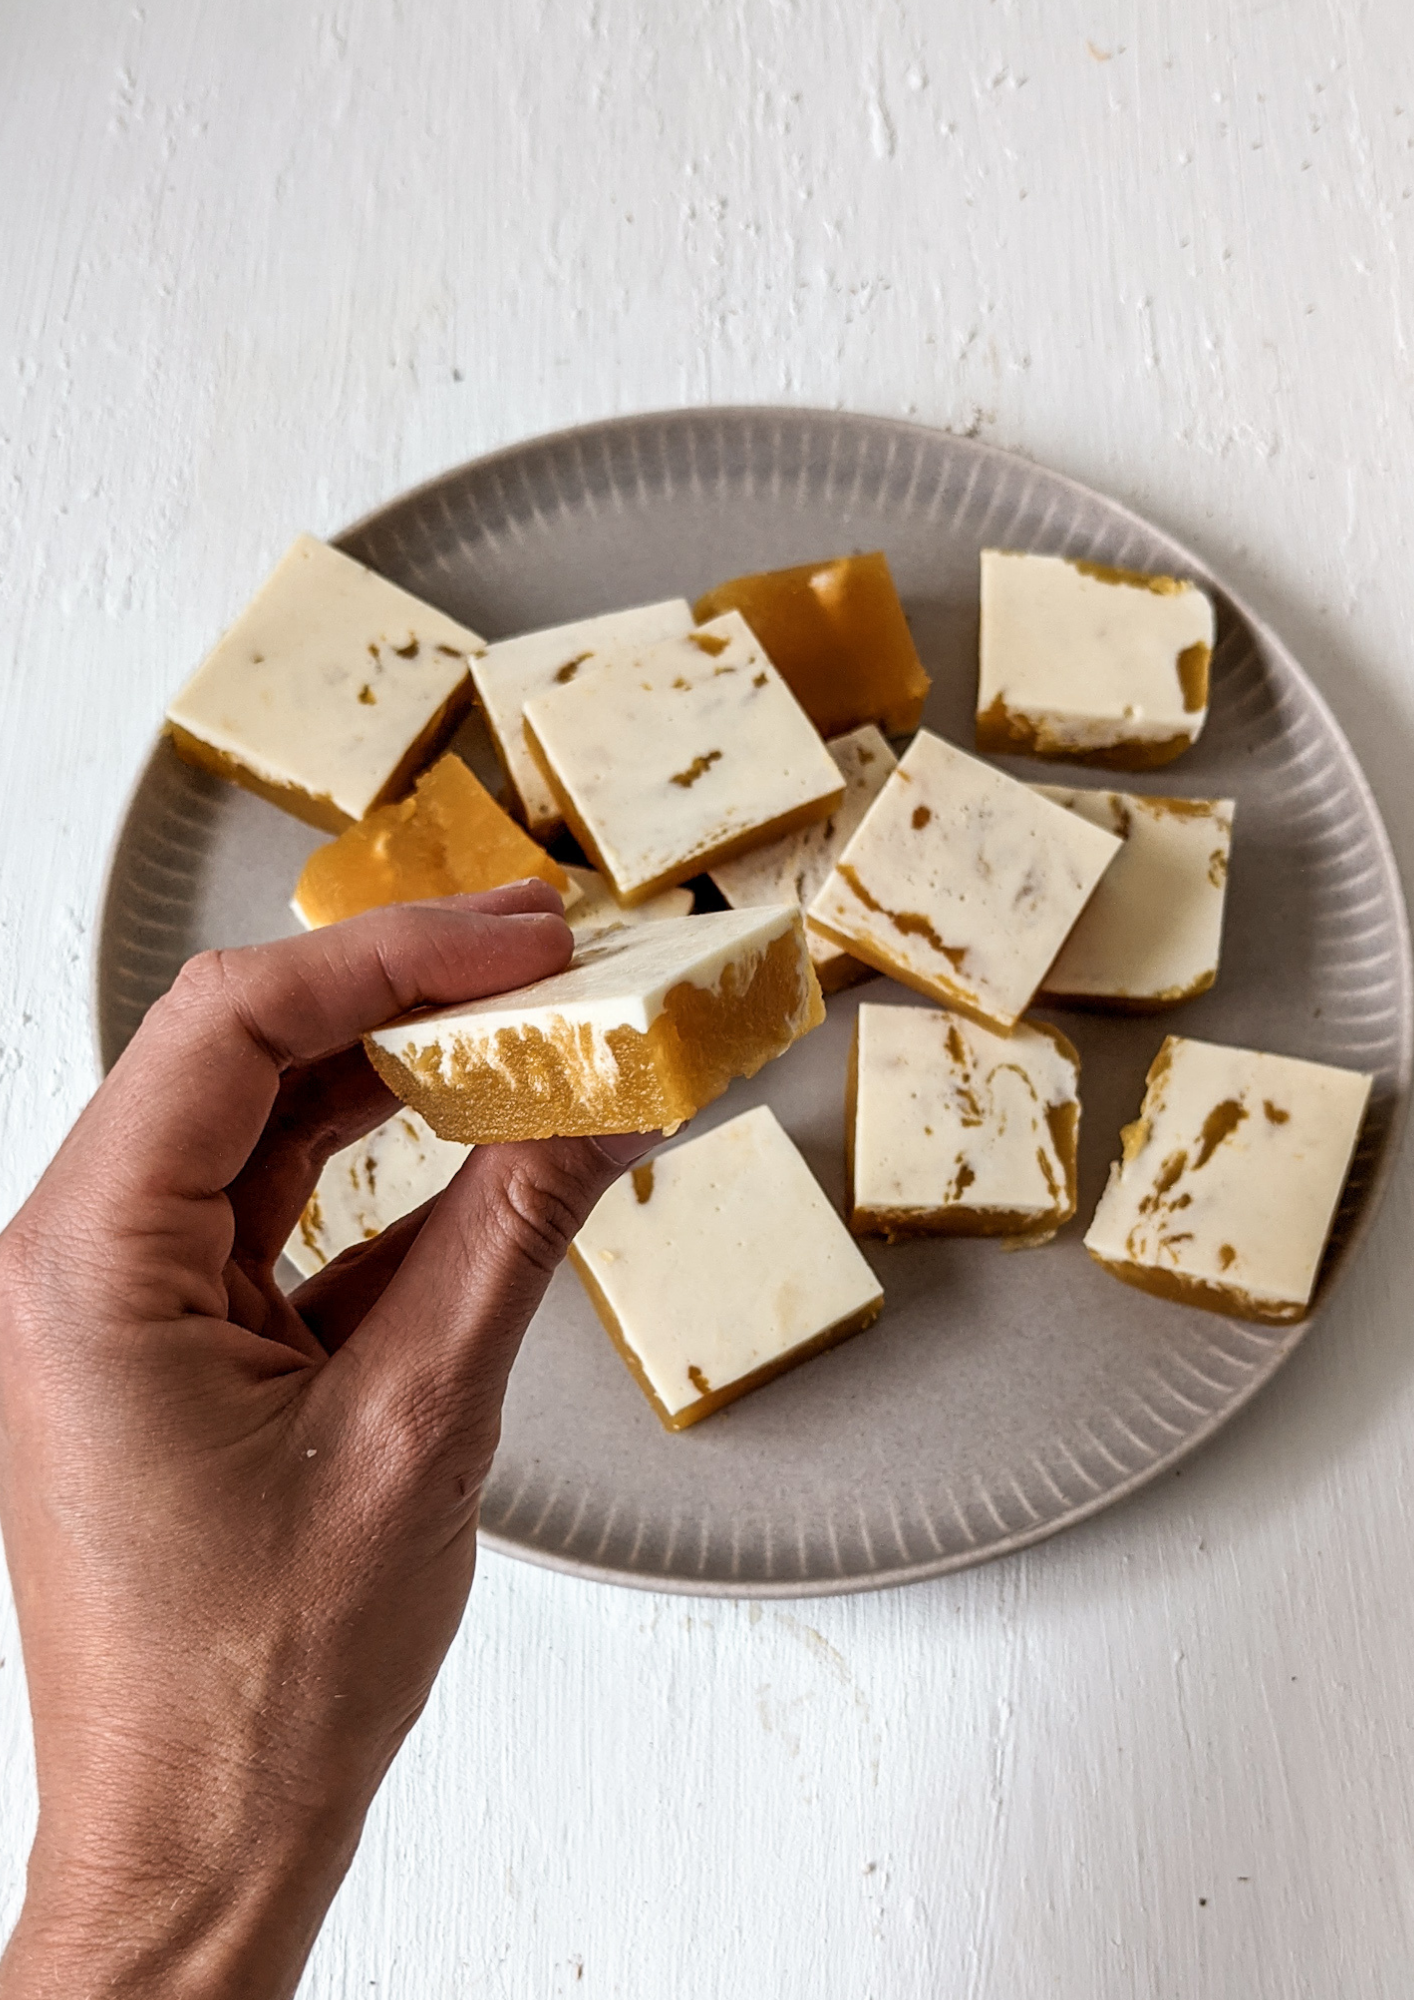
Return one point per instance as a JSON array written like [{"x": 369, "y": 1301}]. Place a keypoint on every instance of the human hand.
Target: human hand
[{"x": 241, "y": 1528}]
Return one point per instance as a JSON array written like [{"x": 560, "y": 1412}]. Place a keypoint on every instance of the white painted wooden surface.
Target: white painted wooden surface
[{"x": 267, "y": 262}]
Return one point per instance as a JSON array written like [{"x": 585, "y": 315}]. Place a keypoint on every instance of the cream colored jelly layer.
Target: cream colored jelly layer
[
  {"x": 719, "y": 1260},
  {"x": 511, "y": 671},
  {"x": 956, "y": 1128},
  {"x": 1089, "y": 657},
  {"x": 367, "y": 1186},
  {"x": 1230, "y": 1177},
  {"x": 327, "y": 680},
  {"x": 670, "y": 762},
  {"x": 1151, "y": 933},
  {"x": 962, "y": 882},
  {"x": 644, "y": 1027},
  {"x": 794, "y": 867},
  {"x": 597, "y": 909}
]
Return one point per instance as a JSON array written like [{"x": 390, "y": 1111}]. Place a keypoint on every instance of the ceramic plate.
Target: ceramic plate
[{"x": 1001, "y": 1396}]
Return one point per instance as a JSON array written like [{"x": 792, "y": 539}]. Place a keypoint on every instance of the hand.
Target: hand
[{"x": 241, "y": 1528}]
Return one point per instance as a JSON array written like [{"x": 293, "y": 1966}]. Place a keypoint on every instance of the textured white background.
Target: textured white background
[{"x": 263, "y": 263}]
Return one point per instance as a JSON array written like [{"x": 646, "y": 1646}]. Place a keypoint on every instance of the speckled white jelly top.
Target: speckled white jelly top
[
  {"x": 670, "y": 756},
  {"x": 616, "y": 979},
  {"x": 1153, "y": 928},
  {"x": 1089, "y": 658},
  {"x": 1232, "y": 1173},
  {"x": 511, "y": 671},
  {"x": 949, "y": 1115},
  {"x": 796, "y": 865},
  {"x": 369, "y": 1185},
  {"x": 722, "y": 1256},
  {"x": 326, "y": 679},
  {"x": 964, "y": 879}
]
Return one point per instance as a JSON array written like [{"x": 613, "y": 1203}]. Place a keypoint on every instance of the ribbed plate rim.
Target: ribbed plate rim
[{"x": 679, "y": 1584}]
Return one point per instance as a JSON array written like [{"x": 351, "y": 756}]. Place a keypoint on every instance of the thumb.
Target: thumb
[{"x": 428, "y": 1365}]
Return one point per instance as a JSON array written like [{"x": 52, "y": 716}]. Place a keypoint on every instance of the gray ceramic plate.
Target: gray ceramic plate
[{"x": 1000, "y": 1397}]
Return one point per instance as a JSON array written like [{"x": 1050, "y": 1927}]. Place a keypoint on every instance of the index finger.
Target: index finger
[{"x": 187, "y": 1101}]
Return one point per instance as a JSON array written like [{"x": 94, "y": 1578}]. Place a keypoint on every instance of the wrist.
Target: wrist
[{"x": 156, "y": 1906}]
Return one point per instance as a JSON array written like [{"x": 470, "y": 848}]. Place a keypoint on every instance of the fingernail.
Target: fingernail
[{"x": 623, "y": 1148}]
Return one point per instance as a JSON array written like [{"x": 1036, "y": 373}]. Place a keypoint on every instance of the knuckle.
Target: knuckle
[
  {"x": 17, "y": 1262},
  {"x": 36, "y": 1276},
  {"x": 543, "y": 1200},
  {"x": 200, "y": 980},
  {"x": 434, "y": 1432},
  {"x": 33, "y": 1255},
  {"x": 196, "y": 996},
  {"x": 410, "y": 1426},
  {"x": 212, "y": 986}
]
